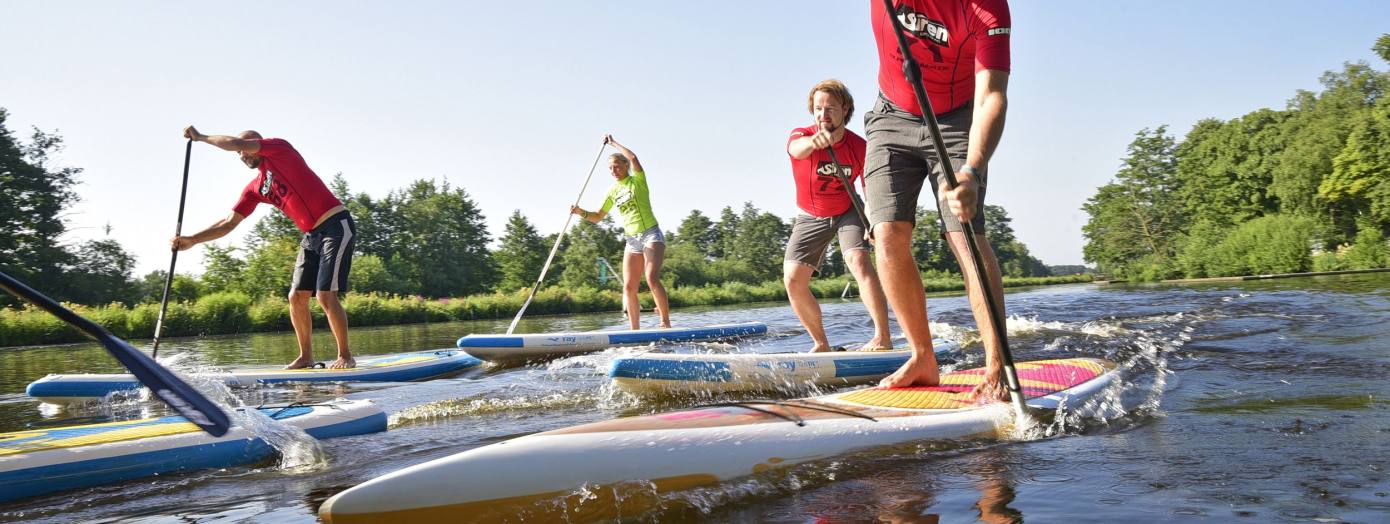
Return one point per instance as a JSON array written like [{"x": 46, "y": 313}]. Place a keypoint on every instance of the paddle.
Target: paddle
[
  {"x": 165, "y": 385},
  {"x": 558, "y": 238},
  {"x": 853, "y": 197},
  {"x": 174, "y": 258},
  {"x": 996, "y": 311}
]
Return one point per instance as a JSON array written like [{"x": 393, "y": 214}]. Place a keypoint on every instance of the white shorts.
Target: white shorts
[{"x": 636, "y": 243}]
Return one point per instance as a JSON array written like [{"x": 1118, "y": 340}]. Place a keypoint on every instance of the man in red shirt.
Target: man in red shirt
[
  {"x": 828, "y": 213},
  {"x": 325, "y": 255},
  {"x": 962, "y": 47}
]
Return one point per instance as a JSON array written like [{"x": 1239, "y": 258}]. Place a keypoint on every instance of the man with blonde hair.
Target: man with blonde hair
[{"x": 828, "y": 213}]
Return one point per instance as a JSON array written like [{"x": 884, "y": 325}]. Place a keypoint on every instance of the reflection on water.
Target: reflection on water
[{"x": 1257, "y": 401}]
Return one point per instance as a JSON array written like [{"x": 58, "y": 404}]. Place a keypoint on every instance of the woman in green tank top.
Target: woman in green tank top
[{"x": 646, "y": 246}]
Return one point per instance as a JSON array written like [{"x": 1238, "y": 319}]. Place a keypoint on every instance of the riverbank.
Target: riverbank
[{"x": 232, "y": 313}]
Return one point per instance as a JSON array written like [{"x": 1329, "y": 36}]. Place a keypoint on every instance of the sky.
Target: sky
[{"x": 510, "y": 100}]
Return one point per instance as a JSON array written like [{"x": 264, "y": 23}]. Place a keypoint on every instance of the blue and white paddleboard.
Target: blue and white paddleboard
[
  {"x": 539, "y": 346},
  {"x": 42, "y": 461},
  {"x": 403, "y": 367},
  {"x": 672, "y": 373}
]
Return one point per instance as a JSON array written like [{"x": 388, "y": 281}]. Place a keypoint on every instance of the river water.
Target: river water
[{"x": 1245, "y": 402}]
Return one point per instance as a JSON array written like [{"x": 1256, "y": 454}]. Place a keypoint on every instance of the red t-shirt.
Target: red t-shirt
[
  {"x": 951, "y": 40},
  {"x": 287, "y": 183},
  {"x": 818, "y": 192}
]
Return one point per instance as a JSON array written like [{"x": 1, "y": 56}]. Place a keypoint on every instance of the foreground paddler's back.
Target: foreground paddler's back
[
  {"x": 511, "y": 349},
  {"x": 45, "y": 460},
  {"x": 618, "y": 463}
]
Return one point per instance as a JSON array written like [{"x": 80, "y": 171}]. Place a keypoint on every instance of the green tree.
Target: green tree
[
  {"x": 760, "y": 242},
  {"x": 724, "y": 234},
  {"x": 105, "y": 268},
  {"x": 35, "y": 194},
  {"x": 1317, "y": 133},
  {"x": 521, "y": 254},
  {"x": 443, "y": 241},
  {"x": 1136, "y": 219},
  {"x": 586, "y": 242},
  {"x": 1226, "y": 168},
  {"x": 698, "y": 231},
  {"x": 222, "y": 270},
  {"x": 1360, "y": 176}
]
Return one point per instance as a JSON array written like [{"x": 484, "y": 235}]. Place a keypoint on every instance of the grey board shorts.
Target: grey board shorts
[
  {"x": 812, "y": 235},
  {"x": 900, "y": 153}
]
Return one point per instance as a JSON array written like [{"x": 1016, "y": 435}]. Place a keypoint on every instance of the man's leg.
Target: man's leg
[
  {"x": 338, "y": 239},
  {"x": 902, "y": 284},
  {"x": 993, "y": 386},
  {"x": 796, "y": 276},
  {"x": 338, "y": 322},
  {"x": 871, "y": 293},
  {"x": 655, "y": 255},
  {"x": 632, "y": 282},
  {"x": 303, "y": 327}
]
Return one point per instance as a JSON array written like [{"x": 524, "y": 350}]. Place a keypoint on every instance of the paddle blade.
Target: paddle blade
[{"x": 187, "y": 401}]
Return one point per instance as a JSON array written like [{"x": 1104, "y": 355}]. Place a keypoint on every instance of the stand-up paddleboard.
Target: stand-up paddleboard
[
  {"x": 41, "y": 461},
  {"x": 677, "y": 450},
  {"x": 508, "y": 349},
  {"x": 404, "y": 367},
  {"x": 674, "y": 374}
]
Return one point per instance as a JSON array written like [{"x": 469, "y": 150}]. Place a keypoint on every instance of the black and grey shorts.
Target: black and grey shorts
[
  {"x": 325, "y": 255},
  {"x": 812, "y": 235},
  {"x": 900, "y": 153}
]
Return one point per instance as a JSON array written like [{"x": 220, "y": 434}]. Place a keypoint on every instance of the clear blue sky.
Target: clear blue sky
[{"x": 510, "y": 100}]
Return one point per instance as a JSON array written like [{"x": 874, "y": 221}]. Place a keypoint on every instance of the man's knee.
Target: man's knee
[{"x": 299, "y": 298}]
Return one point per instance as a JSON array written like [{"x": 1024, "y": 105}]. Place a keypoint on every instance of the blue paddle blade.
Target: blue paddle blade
[{"x": 187, "y": 401}]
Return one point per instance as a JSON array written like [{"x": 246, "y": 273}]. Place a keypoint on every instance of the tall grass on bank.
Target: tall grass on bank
[{"x": 226, "y": 313}]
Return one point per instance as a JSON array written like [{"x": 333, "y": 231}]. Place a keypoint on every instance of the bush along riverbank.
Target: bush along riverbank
[{"x": 231, "y": 312}]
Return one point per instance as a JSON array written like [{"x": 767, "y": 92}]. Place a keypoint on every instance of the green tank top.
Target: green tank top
[{"x": 634, "y": 203}]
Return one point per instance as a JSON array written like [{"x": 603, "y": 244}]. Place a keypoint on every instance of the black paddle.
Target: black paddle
[
  {"x": 853, "y": 197},
  {"x": 996, "y": 311},
  {"x": 169, "y": 388},
  {"x": 174, "y": 258}
]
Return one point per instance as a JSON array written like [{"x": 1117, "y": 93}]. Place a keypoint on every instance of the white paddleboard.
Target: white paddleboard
[{"x": 531, "y": 475}]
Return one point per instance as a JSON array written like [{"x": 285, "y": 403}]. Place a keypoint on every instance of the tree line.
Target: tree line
[
  {"x": 1305, "y": 188},
  {"x": 428, "y": 239}
]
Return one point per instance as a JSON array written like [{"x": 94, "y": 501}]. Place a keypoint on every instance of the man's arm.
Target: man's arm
[
  {"x": 986, "y": 128},
  {"x": 217, "y": 230},
  {"x": 224, "y": 142}
]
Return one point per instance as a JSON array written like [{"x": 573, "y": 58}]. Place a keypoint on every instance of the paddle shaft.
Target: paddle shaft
[
  {"x": 174, "y": 257},
  {"x": 556, "y": 247},
  {"x": 996, "y": 311},
  {"x": 172, "y": 390},
  {"x": 849, "y": 188}
]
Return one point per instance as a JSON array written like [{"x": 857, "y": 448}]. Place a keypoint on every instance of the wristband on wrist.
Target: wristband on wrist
[{"x": 966, "y": 168}]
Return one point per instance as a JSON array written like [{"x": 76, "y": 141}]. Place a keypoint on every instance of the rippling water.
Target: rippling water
[{"x": 1255, "y": 402}]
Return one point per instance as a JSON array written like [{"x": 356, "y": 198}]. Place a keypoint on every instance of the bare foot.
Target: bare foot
[
  {"x": 877, "y": 344},
  {"x": 666, "y": 325},
  {"x": 991, "y": 390},
  {"x": 343, "y": 363},
  {"x": 913, "y": 373},
  {"x": 821, "y": 348},
  {"x": 301, "y": 363}
]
